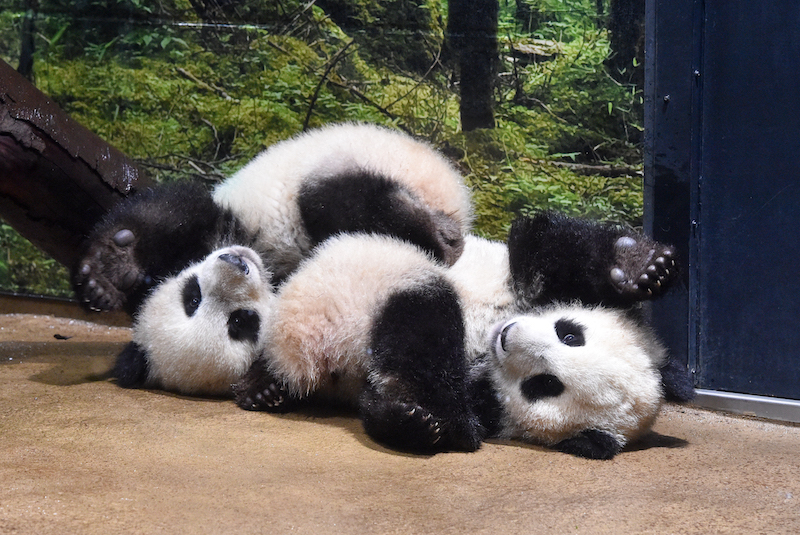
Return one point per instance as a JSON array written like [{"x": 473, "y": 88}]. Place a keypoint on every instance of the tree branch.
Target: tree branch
[
  {"x": 57, "y": 179},
  {"x": 336, "y": 57}
]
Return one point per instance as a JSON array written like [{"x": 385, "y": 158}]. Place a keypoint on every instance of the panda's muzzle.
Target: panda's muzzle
[{"x": 236, "y": 261}]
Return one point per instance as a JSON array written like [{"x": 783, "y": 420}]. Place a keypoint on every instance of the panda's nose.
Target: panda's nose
[{"x": 236, "y": 261}]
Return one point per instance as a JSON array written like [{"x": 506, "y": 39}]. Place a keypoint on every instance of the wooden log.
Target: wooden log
[{"x": 57, "y": 179}]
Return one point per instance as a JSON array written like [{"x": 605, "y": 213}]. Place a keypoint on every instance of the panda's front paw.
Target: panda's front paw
[
  {"x": 258, "y": 390},
  {"x": 643, "y": 269},
  {"x": 108, "y": 272},
  {"x": 271, "y": 398}
]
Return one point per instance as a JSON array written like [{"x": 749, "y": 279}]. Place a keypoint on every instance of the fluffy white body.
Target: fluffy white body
[
  {"x": 315, "y": 334},
  {"x": 264, "y": 193},
  {"x": 323, "y": 315},
  {"x": 482, "y": 279}
]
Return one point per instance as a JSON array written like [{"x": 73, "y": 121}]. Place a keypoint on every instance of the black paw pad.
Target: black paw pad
[
  {"x": 272, "y": 398},
  {"x": 644, "y": 269},
  {"x": 109, "y": 272}
]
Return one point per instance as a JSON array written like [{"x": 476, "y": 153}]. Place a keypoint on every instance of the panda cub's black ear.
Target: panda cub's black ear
[
  {"x": 592, "y": 444},
  {"x": 131, "y": 367}
]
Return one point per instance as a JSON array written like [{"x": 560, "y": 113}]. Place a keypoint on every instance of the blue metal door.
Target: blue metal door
[{"x": 722, "y": 182}]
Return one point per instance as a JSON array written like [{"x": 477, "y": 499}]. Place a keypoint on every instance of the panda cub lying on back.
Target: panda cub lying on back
[
  {"x": 373, "y": 322},
  {"x": 291, "y": 197}
]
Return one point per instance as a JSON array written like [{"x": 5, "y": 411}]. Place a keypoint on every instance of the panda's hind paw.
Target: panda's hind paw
[
  {"x": 643, "y": 269},
  {"x": 429, "y": 428},
  {"x": 410, "y": 427},
  {"x": 108, "y": 272}
]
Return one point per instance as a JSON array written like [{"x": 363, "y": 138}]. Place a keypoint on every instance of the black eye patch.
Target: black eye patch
[
  {"x": 570, "y": 333},
  {"x": 243, "y": 325},
  {"x": 541, "y": 386},
  {"x": 191, "y": 295}
]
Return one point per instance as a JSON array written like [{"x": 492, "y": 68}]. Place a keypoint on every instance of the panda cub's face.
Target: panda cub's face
[
  {"x": 201, "y": 329},
  {"x": 572, "y": 369}
]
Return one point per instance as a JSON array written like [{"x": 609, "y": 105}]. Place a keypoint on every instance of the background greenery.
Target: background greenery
[{"x": 194, "y": 89}]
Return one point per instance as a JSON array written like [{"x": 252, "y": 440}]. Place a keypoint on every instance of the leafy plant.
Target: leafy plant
[{"x": 196, "y": 93}]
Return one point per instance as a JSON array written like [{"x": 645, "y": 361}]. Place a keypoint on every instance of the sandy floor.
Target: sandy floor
[{"x": 80, "y": 455}]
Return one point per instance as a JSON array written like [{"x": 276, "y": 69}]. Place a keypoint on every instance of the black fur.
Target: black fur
[
  {"x": 131, "y": 367},
  {"x": 678, "y": 384},
  {"x": 363, "y": 201},
  {"x": 191, "y": 295},
  {"x": 557, "y": 258},
  {"x": 243, "y": 325},
  {"x": 258, "y": 390},
  {"x": 416, "y": 396},
  {"x": 592, "y": 444},
  {"x": 145, "y": 238},
  {"x": 544, "y": 385},
  {"x": 486, "y": 405},
  {"x": 570, "y": 333}
]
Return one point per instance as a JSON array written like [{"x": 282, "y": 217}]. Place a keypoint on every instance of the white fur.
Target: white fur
[
  {"x": 482, "y": 279},
  {"x": 612, "y": 383},
  {"x": 195, "y": 355},
  {"x": 263, "y": 194}
]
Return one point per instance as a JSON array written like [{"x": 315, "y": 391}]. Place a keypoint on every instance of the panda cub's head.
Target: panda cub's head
[
  {"x": 582, "y": 380},
  {"x": 200, "y": 330}
]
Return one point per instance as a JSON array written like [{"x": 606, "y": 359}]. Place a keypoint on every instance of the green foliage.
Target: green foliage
[
  {"x": 24, "y": 269},
  {"x": 404, "y": 34},
  {"x": 187, "y": 98}
]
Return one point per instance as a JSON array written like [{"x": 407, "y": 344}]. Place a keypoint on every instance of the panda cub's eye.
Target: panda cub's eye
[
  {"x": 570, "y": 333},
  {"x": 191, "y": 295}
]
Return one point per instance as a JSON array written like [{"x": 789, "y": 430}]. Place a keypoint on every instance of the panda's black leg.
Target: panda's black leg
[
  {"x": 416, "y": 397},
  {"x": 678, "y": 383},
  {"x": 131, "y": 367},
  {"x": 258, "y": 390},
  {"x": 362, "y": 201},
  {"x": 592, "y": 444},
  {"x": 557, "y": 258},
  {"x": 143, "y": 238}
]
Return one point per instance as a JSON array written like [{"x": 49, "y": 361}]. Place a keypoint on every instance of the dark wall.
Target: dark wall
[{"x": 723, "y": 183}]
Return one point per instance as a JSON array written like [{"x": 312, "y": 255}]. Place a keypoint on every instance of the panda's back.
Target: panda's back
[
  {"x": 322, "y": 323},
  {"x": 263, "y": 195}
]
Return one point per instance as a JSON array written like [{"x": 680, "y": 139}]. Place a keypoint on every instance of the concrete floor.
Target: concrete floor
[{"x": 80, "y": 455}]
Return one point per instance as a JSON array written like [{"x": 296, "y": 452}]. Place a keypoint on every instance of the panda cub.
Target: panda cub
[
  {"x": 199, "y": 332},
  {"x": 374, "y": 323},
  {"x": 583, "y": 380},
  {"x": 293, "y": 196}
]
